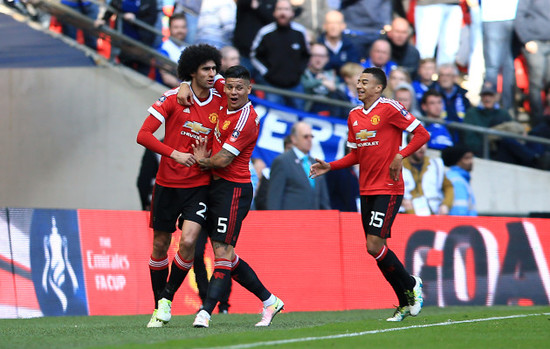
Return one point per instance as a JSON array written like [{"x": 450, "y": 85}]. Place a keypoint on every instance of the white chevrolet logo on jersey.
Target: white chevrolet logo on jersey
[
  {"x": 365, "y": 134},
  {"x": 196, "y": 127}
]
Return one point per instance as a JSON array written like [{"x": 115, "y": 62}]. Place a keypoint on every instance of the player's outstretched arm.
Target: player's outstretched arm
[{"x": 319, "y": 168}]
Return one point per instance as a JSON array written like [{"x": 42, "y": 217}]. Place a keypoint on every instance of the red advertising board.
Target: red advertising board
[
  {"x": 95, "y": 262},
  {"x": 317, "y": 260}
]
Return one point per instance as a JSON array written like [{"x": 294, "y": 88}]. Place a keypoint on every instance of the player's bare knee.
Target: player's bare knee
[
  {"x": 160, "y": 247},
  {"x": 374, "y": 246},
  {"x": 373, "y": 250},
  {"x": 187, "y": 243}
]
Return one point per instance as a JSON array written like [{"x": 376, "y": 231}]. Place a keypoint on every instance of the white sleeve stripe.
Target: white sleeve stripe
[
  {"x": 231, "y": 149},
  {"x": 242, "y": 119},
  {"x": 172, "y": 91},
  {"x": 351, "y": 145},
  {"x": 413, "y": 125},
  {"x": 395, "y": 104},
  {"x": 156, "y": 114}
]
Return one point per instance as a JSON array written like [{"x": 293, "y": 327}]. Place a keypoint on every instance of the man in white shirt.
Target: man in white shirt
[{"x": 178, "y": 31}]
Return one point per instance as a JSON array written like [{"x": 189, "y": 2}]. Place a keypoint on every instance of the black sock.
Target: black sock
[
  {"x": 397, "y": 288},
  {"x": 179, "y": 270},
  {"x": 201, "y": 276},
  {"x": 219, "y": 284},
  {"x": 245, "y": 275},
  {"x": 159, "y": 273},
  {"x": 395, "y": 273}
]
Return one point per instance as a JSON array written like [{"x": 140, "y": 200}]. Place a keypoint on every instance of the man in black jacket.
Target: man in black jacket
[
  {"x": 251, "y": 16},
  {"x": 280, "y": 53}
]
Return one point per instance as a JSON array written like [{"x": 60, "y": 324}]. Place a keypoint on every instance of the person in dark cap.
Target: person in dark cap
[
  {"x": 486, "y": 114},
  {"x": 459, "y": 159}
]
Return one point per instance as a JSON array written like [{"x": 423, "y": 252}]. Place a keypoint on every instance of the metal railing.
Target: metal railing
[{"x": 148, "y": 55}]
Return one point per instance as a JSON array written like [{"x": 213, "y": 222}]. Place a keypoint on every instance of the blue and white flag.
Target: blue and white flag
[{"x": 329, "y": 133}]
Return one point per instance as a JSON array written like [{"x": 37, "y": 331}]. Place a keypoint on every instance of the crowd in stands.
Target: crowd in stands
[{"x": 446, "y": 60}]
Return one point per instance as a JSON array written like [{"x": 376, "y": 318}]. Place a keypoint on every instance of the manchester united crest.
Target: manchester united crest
[
  {"x": 375, "y": 120},
  {"x": 213, "y": 118}
]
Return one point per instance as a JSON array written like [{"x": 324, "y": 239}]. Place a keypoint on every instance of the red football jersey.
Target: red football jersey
[
  {"x": 376, "y": 135},
  {"x": 184, "y": 125},
  {"x": 237, "y": 132}
]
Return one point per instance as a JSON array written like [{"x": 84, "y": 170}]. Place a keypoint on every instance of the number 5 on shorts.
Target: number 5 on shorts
[{"x": 222, "y": 225}]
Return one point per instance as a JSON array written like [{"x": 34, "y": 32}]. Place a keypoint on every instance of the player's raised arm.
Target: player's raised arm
[
  {"x": 185, "y": 95},
  {"x": 319, "y": 168}
]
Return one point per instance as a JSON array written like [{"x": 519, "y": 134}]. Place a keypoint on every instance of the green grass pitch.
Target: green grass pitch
[{"x": 451, "y": 327}]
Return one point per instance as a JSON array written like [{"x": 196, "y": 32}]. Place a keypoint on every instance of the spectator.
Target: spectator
[
  {"x": 280, "y": 54},
  {"x": 263, "y": 186},
  {"x": 251, "y": 16},
  {"x": 341, "y": 50},
  {"x": 216, "y": 23},
  {"x": 321, "y": 82},
  {"x": 177, "y": 25},
  {"x": 89, "y": 9},
  {"x": 427, "y": 189},
  {"x": 404, "y": 94},
  {"x": 146, "y": 178},
  {"x": 128, "y": 11},
  {"x": 497, "y": 18},
  {"x": 543, "y": 130},
  {"x": 230, "y": 58},
  {"x": 438, "y": 24},
  {"x": 454, "y": 96},
  {"x": 425, "y": 77},
  {"x": 460, "y": 161},
  {"x": 398, "y": 75},
  {"x": 511, "y": 150},
  {"x": 432, "y": 106},
  {"x": 472, "y": 47},
  {"x": 191, "y": 9},
  {"x": 343, "y": 188},
  {"x": 487, "y": 114},
  {"x": 403, "y": 53},
  {"x": 380, "y": 56},
  {"x": 290, "y": 187},
  {"x": 531, "y": 24},
  {"x": 350, "y": 73},
  {"x": 311, "y": 13},
  {"x": 366, "y": 20}
]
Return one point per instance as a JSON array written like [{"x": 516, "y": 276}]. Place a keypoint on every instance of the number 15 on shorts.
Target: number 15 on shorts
[{"x": 377, "y": 219}]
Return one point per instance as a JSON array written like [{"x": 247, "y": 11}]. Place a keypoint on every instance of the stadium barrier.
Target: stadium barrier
[{"x": 95, "y": 262}]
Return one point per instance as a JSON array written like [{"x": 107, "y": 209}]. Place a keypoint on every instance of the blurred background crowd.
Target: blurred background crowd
[{"x": 484, "y": 63}]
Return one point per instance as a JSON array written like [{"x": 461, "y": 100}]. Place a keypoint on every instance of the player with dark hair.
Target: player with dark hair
[
  {"x": 374, "y": 136},
  {"x": 191, "y": 60},
  {"x": 230, "y": 196},
  {"x": 181, "y": 188}
]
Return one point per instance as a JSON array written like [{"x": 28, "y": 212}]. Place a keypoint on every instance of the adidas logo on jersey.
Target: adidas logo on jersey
[
  {"x": 355, "y": 123},
  {"x": 186, "y": 110}
]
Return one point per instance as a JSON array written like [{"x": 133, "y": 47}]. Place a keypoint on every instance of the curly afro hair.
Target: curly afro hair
[{"x": 194, "y": 56}]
